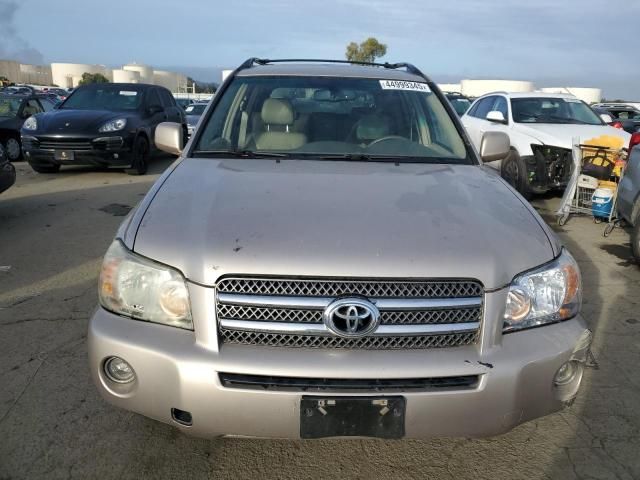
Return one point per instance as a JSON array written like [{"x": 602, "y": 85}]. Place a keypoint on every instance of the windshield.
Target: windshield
[
  {"x": 196, "y": 109},
  {"x": 460, "y": 104},
  {"x": 9, "y": 107},
  {"x": 553, "y": 110},
  {"x": 332, "y": 118},
  {"x": 114, "y": 98}
]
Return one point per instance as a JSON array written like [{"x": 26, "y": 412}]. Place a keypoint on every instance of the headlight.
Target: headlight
[
  {"x": 30, "y": 123},
  {"x": 549, "y": 294},
  {"x": 113, "y": 125},
  {"x": 142, "y": 289}
]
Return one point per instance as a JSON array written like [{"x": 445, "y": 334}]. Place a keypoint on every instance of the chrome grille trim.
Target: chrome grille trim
[
  {"x": 387, "y": 317},
  {"x": 319, "y": 303},
  {"x": 321, "y": 329},
  {"x": 289, "y": 312}
]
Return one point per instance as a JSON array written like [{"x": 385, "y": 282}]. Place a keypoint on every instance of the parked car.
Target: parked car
[
  {"x": 628, "y": 200},
  {"x": 320, "y": 266},
  {"x": 7, "y": 171},
  {"x": 184, "y": 102},
  {"x": 108, "y": 124},
  {"x": 60, "y": 93},
  {"x": 541, "y": 127},
  {"x": 193, "y": 113},
  {"x": 626, "y": 115},
  {"x": 459, "y": 102},
  {"x": 14, "y": 110}
]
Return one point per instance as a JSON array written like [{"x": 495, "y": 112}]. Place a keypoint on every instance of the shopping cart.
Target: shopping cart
[{"x": 578, "y": 195}]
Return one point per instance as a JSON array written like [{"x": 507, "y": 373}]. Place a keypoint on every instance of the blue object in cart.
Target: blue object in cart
[{"x": 601, "y": 202}]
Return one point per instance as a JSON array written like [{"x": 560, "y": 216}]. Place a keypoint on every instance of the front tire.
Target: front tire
[
  {"x": 141, "y": 153},
  {"x": 46, "y": 168},
  {"x": 13, "y": 149},
  {"x": 514, "y": 171}
]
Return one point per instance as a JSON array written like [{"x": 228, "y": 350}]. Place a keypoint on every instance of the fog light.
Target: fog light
[
  {"x": 567, "y": 373},
  {"x": 118, "y": 370},
  {"x": 116, "y": 156}
]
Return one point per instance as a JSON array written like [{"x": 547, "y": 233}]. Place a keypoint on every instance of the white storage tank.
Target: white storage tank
[
  {"x": 175, "y": 82},
  {"x": 67, "y": 75},
  {"x": 477, "y": 88},
  {"x": 126, "y": 76},
  {"x": 146, "y": 72},
  {"x": 450, "y": 87},
  {"x": 588, "y": 95}
]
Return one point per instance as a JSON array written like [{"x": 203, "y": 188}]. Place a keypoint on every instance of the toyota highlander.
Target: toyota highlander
[{"x": 329, "y": 258}]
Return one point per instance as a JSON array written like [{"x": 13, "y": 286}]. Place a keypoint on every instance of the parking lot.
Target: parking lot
[{"x": 54, "y": 230}]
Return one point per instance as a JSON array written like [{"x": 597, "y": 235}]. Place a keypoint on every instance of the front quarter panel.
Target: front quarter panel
[{"x": 629, "y": 189}]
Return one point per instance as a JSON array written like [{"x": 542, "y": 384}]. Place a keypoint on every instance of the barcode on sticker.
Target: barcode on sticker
[{"x": 404, "y": 85}]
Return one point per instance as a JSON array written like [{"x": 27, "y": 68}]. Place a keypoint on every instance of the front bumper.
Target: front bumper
[
  {"x": 174, "y": 369},
  {"x": 101, "y": 150}
]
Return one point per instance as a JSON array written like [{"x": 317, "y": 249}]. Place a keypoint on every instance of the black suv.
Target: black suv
[
  {"x": 14, "y": 110},
  {"x": 108, "y": 124}
]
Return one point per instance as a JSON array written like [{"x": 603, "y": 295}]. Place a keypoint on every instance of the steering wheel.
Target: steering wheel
[{"x": 384, "y": 139}]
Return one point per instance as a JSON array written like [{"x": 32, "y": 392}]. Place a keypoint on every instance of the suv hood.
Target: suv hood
[
  {"x": 561, "y": 135},
  {"x": 63, "y": 121},
  {"x": 214, "y": 217}
]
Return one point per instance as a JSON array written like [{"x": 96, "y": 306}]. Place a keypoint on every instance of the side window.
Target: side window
[
  {"x": 152, "y": 98},
  {"x": 501, "y": 106},
  {"x": 32, "y": 107},
  {"x": 485, "y": 107},
  {"x": 167, "y": 99}
]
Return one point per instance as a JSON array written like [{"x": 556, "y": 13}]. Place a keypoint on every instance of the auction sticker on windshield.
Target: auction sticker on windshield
[
  {"x": 128, "y": 93},
  {"x": 404, "y": 85}
]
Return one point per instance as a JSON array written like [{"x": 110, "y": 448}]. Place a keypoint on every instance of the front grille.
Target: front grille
[
  {"x": 368, "y": 343},
  {"x": 336, "y": 288},
  {"x": 289, "y": 312},
  {"x": 53, "y": 144},
  {"x": 297, "y": 384}
]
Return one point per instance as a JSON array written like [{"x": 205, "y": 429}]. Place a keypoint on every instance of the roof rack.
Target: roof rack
[{"x": 410, "y": 68}]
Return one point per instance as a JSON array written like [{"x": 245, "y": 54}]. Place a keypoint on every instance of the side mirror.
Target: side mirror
[
  {"x": 496, "y": 116},
  {"x": 153, "y": 109},
  {"x": 606, "y": 118},
  {"x": 494, "y": 146},
  {"x": 168, "y": 137}
]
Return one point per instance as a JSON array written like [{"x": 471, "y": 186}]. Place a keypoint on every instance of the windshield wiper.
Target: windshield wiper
[
  {"x": 376, "y": 158},
  {"x": 242, "y": 153}
]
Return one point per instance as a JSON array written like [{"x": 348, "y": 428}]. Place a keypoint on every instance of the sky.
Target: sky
[{"x": 584, "y": 43}]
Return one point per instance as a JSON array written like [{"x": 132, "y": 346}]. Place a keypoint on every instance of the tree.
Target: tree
[
  {"x": 88, "y": 78},
  {"x": 367, "y": 51}
]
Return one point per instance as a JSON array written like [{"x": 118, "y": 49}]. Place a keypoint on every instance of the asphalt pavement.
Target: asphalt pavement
[{"x": 54, "y": 230}]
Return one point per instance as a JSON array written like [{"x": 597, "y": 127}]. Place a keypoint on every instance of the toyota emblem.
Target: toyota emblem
[{"x": 351, "y": 317}]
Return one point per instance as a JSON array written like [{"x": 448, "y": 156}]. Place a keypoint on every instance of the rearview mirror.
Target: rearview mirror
[
  {"x": 606, "y": 118},
  {"x": 494, "y": 146},
  {"x": 496, "y": 116},
  {"x": 168, "y": 137}
]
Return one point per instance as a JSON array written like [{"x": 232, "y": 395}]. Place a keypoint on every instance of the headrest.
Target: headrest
[
  {"x": 372, "y": 127},
  {"x": 277, "y": 111}
]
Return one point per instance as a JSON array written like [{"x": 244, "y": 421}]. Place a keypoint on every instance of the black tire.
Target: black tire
[
  {"x": 514, "y": 171},
  {"x": 13, "y": 149},
  {"x": 141, "y": 154},
  {"x": 635, "y": 239},
  {"x": 46, "y": 168}
]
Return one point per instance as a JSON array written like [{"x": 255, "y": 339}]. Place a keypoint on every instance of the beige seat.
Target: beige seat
[{"x": 278, "y": 118}]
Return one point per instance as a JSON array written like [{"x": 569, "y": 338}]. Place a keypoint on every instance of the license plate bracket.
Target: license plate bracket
[
  {"x": 64, "y": 155},
  {"x": 379, "y": 417}
]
